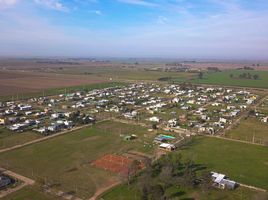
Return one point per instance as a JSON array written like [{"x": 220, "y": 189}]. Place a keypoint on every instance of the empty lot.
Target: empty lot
[
  {"x": 12, "y": 83},
  {"x": 65, "y": 161}
]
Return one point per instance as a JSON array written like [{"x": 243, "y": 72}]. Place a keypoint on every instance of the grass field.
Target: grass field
[
  {"x": 223, "y": 78},
  {"x": 65, "y": 161},
  {"x": 29, "y": 193},
  {"x": 56, "y": 91},
  {"x": 123, "y": 192},
  {"x": 250, "y": 129},
  {"x": 244, "y": 163},
  {"x": 9, "y": 138}
]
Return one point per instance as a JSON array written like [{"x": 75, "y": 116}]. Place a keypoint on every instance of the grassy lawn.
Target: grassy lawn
[
  {"x": 243, "y": 163},
  {"x": 223, "y": 78},
  {"x": 28, "y": 193},
  {"x": 65, "y": 161},
  {"x": 123, "y": 192},
  {"x": 9, "y": 138},
  {"x": 249, "y": 128}
]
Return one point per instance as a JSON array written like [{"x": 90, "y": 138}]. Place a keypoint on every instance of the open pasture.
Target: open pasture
[
  {"x": 252, "y": 130},
  {"x": 224, "y": 78},
  {"x": 64, "y": 162},
  {"x": 244, "y": 163}
]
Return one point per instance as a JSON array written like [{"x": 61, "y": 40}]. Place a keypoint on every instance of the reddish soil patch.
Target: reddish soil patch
[{"x": 115, "y": 163}]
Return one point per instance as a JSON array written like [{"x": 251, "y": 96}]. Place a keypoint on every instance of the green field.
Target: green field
[
  {"x": 65, "y": 161},
  {"x": 123, "y": 192},
  {"x": 244, "y": 163},
  {"x": 223, "y": 78},
  {"x": 29, "y": 193},
  {"x": 251, "y": 130},
  {"x": 9, "y": 138},
  {"x": 57, "y": 91}
]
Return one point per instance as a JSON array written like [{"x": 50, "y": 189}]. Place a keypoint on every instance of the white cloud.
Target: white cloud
[
  {"x": 7, "y": 3},
  {"x": 138, "y": 2},
  {"x": 52, "y": 4},
  {"x": 162, "y": 20},
  {"x": 96, "y": 12}
]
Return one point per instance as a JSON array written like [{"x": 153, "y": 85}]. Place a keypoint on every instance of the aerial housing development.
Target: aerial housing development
[{"x": 133, "y": 100}]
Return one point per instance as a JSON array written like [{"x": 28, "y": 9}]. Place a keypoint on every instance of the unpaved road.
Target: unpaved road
[{"x": 25, "y": 181}]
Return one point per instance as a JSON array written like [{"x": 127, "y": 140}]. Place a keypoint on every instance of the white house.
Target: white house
[{"x": 222, "y": 182}]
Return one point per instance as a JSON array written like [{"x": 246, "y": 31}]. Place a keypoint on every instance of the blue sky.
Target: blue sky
[{"x": 205, "y": 29}]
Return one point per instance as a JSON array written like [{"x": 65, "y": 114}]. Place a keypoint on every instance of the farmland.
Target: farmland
[
  {"x": 243, "y": 162},
  {"x": 19, "y": 83},
  {"x": 67, "y": 158},
  {"x": 223, "y": 78}
]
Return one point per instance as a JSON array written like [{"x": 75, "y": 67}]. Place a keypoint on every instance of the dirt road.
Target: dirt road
[{"x": 25, "y": 181}]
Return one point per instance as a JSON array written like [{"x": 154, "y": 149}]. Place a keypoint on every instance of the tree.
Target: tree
[
  {"x": 189, "y": 176},
  {"x": 249, "y": 76},
  {"x": 157, "y": 192},
  {"x": 144, "y": 193},
  {"x": 256, "y": 76},
  {"x": 206, "y": 181},
  {"x": 200, "y": 75},
  {"x": 132, "y": 169},
  {"x": 231, "y": 76},
  {"x": 166, "y": 176},
  {"x": 154, "y": 126}
]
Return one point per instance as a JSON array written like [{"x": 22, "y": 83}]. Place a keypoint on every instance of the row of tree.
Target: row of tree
[{"x": 246, "y": 76}]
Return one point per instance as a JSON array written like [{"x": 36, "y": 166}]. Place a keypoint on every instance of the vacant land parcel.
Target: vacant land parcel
[
  {"x": 64, "y": 162},
  {"x": 13, "y": 83},
  {"x": 244, "y": 163},
  {"x": 251, "y": 130}
]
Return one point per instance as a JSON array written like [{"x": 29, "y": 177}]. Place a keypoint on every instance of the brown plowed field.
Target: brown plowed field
[
  {"x": 27, "y": 82},
  {"x": 115, "y": 163}
]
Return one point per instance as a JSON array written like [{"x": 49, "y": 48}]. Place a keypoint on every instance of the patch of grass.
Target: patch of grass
[
  {"x": 123, "y": 192},
  {"x": 29, "y": 193},
  {"x": 251, "y": 130},
  {"x": 223, "y": 78},
  {"x": 244, "y": 163},
  {"x": 65, "y": 161},
  {"x": 9, "y": 138}
]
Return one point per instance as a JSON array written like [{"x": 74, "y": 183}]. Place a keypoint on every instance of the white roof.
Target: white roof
[{"x": 166, "y": 145}]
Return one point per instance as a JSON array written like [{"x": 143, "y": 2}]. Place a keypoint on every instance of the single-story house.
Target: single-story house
[
  {"x": 167, "y": 147},
  {"x": 222, "y": 182}
]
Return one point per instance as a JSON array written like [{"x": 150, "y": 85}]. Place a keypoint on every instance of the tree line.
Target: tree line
[{"x": 245, "y": 76}]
